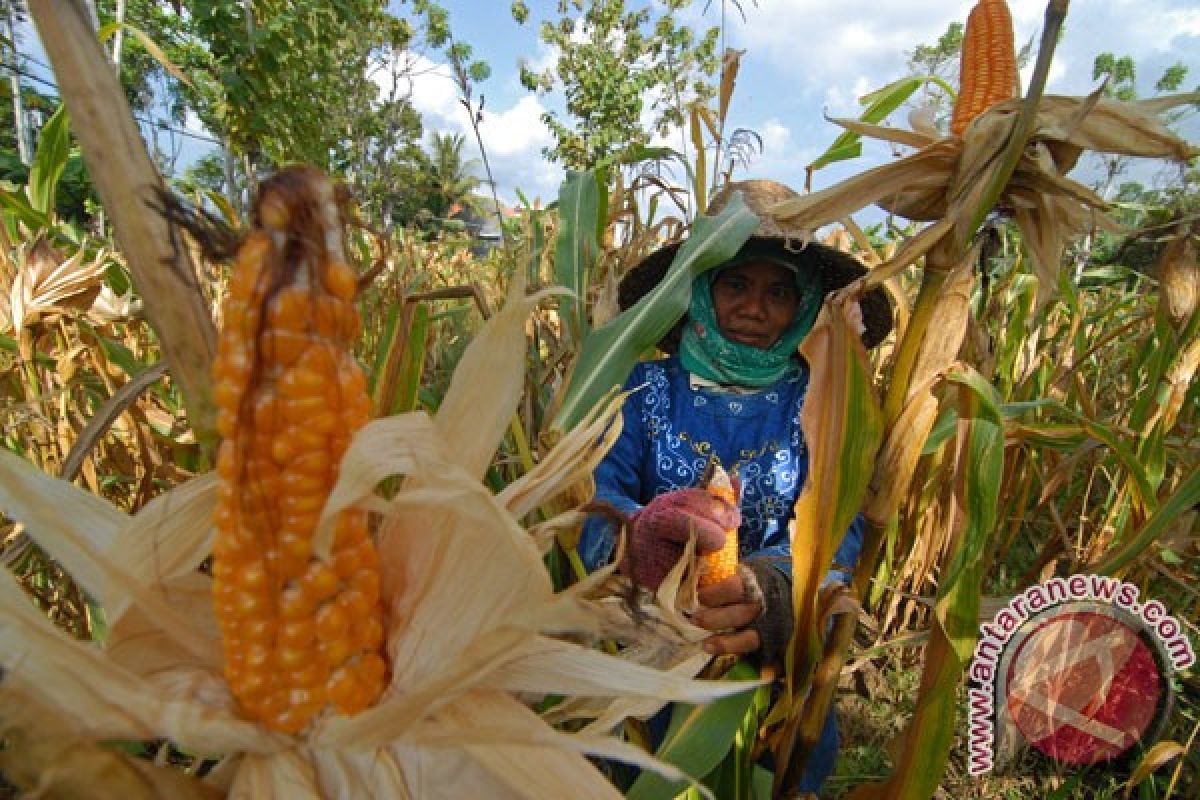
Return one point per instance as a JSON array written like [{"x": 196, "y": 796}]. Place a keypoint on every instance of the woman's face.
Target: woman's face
[{"x": 755, "y": 302}]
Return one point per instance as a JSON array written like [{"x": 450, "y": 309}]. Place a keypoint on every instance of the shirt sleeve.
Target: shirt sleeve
[
  {"x": 844, "y": 559},
  {"x": 618, "y": 482}
]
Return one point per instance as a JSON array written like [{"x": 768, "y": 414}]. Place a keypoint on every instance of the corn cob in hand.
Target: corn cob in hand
[{"x": 719, "y": 565}]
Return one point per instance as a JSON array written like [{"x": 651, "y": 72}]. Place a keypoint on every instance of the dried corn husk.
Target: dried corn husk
[
  {"x": 473, "y": 618},
  {"x": 943, "y": 181},
  {"x": 1178, "y": 274},
  {"x": 47, "y": 281}
]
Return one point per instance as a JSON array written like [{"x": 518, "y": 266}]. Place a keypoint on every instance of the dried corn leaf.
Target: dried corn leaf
[
  {"x": 285, "y": 774},
  {"x": 556, "y": 667},
  {"x": 64, "y": 520},
  {"x": 168, "y": 538},
  {"x": 43, "y": 756},
  {"x": 1113, "y": 126},
  {"x": 78, "y": 680},
  {"x": 897, "y": 461},
  {"x": 842, "y": 429},
  {"x": 46, "y": 282},
  {"x": 909, "y": 138},
  {"x": 572, "y": 460},
  {"x": 922, "y": 173},
  {"x": 487, "y": 385}
]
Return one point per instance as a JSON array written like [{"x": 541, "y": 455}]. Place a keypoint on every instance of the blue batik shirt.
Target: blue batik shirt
[{"x": 671, "y": 430}]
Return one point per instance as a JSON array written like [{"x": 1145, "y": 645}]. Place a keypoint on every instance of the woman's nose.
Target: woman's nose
[{"x": 754, "y": 304}]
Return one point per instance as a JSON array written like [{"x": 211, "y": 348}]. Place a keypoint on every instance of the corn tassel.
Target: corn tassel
[
  {"x": 299, "y": 634},
  {"x": 988, "y": 66},
  {"x": 721, "y": 564}
]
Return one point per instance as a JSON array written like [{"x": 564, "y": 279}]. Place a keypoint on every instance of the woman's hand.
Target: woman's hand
[
  {"x": 728, "y": 610},
  {"x": 659, "y": 532}
]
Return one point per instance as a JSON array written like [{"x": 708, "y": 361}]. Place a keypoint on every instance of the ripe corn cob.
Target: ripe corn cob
[
  {"x": 298, "y": 633},
  {"x": 717, "y": 566},
  {"x": 988, "y": 67}
]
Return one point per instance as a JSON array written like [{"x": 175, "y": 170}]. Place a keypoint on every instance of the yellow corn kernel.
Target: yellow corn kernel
[
  {"x": 716, "y": 567},
  {"x": 299, "y": 635},
  {"x": 988, "y": 65}
]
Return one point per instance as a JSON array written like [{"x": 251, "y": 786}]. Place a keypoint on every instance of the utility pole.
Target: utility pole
[{"x": 24, "y": 145}]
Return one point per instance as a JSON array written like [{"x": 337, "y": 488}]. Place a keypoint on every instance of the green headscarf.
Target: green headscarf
[{"x": 707, "y": 353}]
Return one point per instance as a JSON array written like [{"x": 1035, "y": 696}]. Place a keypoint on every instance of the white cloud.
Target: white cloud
[
  {"x": 776, "y": 136},
  {"x": 826, "y": 46},
  {"x": 513, "y": 136}
]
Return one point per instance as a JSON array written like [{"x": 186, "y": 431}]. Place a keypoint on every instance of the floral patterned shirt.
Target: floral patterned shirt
[{"x": 672, "y": 428}]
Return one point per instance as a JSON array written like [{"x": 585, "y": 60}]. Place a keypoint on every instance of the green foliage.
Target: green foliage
[
  {"x": 699, "y": 738},
  {"x": 1120, "y": 73},
  {"x": 610, "y": 351},
  {"x": 613, "y": 61},
  {"x": 287, "y": 80},
  {"x": 939, "y": 58}
]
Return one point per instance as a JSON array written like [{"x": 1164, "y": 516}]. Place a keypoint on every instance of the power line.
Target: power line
[{"x": 152, "y": 123}]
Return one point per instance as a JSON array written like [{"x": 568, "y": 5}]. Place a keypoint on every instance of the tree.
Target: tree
[
  {"x": 614, "y": 66},
  {"x": 1120, "y": 76},
  {"x": 451, "y": 179}
]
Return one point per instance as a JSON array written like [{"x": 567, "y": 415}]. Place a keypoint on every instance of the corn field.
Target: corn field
[{"x": 169, "y": 409}]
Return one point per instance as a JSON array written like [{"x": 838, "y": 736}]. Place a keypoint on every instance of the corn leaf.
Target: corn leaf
[
  {"x": 151, "y": 46},
  {"x": 878, "y": 104},
  {"x": 576, "y": 247},
  {"x": 1183, "y": 499},
  {"x": 49, "y": 161},
  {"x": 18, "y": 208},
  {"x": 1158, "y": 755},
  {"x": 609, "y": 352},
  {"x": 977, "y": 475},
  {"x": 396, "y": 378},
  {"x": 843, "y": 429},
  {"x": 697, "y": 739},
  {"x": 734, "y": 777},
  {"x": 700, "y": 172}
]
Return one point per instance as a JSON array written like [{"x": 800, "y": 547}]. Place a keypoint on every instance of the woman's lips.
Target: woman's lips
[{"x": 747, "y": 337}]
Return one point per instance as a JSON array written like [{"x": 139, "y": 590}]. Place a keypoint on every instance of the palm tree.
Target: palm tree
[{"x": 451, "y": 179}]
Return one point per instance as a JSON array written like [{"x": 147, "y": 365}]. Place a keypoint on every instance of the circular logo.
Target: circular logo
[{"x": 1085, "y": 683}]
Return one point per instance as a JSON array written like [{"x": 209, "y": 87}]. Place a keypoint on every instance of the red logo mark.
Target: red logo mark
[{"x": 1084, "y": 687}]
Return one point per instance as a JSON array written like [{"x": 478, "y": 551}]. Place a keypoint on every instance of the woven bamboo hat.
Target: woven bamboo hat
[{"x": 834, "y": 268}]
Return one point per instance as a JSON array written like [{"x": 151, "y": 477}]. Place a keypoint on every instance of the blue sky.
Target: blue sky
[{"x": 804, "y": 59}]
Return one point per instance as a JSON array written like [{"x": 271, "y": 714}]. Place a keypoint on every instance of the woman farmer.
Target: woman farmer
[{"x": 730, "y": 392}]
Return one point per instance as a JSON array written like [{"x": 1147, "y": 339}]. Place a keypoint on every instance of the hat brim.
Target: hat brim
[{"x": 832, "y": 267}]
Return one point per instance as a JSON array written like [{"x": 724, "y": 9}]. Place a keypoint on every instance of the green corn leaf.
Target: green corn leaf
[
  {"x": 609, "y": 352},
  {"x": 53, "y": 149},
  {"x": 977, "y": 476},
  {"x": 879, "y": 104},
  {"x": 576, "y": 247},
  {"x": 1184, "y": 498},
  {"x": 698, "y": 738},
  {"x": 122, "y": 356},
  {"x": 733, "y": 777},
  {"x": 151, "y": 46},
  {"x": 18, "y": 208},
  {"x": 760, "y": 783}
]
